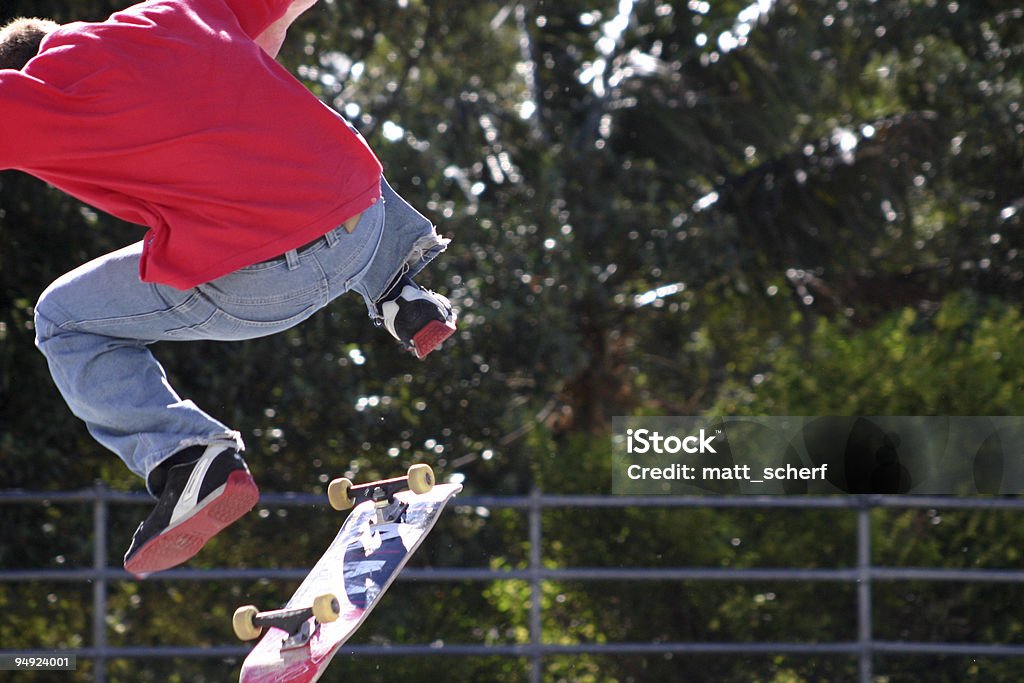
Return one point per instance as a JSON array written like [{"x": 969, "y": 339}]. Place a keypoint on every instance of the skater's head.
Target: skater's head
[{"x": 20, "y": 38}]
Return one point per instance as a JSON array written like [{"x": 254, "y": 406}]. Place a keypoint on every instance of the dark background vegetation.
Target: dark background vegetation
[{"x": 675, "y": 207}]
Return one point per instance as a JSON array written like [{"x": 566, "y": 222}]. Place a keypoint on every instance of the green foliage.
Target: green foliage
[{"x": 962, "y": 358}]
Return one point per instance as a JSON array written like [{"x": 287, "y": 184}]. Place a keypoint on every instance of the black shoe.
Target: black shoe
[
  {"x": 417, "y": 317},
  {"x": 197, "y": 500}
]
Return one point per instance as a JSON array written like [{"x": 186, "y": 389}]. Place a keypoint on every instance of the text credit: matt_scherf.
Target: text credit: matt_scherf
[{"x": 651, "y": 442}]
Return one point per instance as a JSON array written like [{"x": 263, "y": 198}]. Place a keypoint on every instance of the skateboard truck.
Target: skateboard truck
[
  {"x": 343, "y": 495},
  {"x": 389, "y": 509},
  {"x": 248, "y": 622}
]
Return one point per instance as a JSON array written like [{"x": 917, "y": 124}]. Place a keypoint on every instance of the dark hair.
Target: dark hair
[{"x": 19, "y": 40}]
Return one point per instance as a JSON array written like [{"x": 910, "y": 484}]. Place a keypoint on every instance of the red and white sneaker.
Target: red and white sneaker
[
  {"x": 198, "y": 499},
  {"x": 417, "y": 317}
]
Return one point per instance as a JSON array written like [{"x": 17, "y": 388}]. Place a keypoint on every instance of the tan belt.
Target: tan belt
[{"x": 351, "y": 223}]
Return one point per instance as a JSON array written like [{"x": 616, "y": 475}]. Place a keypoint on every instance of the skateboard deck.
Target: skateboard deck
[{"x": 367, "y": 554}]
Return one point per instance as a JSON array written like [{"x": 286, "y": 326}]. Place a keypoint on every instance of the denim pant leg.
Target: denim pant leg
[
  {"x": 95, "y": 326},
  {"x": 408, "y": 243}
]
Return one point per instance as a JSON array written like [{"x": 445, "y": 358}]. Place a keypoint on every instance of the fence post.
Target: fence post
[
  {"x": 536, "y": 588},
  {"x": 99, "y": 585},
  {"x": 864, "y": 616}
]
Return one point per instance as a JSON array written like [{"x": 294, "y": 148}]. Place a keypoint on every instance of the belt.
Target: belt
[
  {"x": 309, "y": 245},
  {"x": 349, "y": 225}
]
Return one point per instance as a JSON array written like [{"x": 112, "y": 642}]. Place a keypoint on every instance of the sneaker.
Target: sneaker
[
  {"x": 198, "y": 499},
  {"x": 417, "y": 317}
]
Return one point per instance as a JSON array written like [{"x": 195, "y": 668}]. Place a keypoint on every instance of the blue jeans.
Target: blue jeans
[{"x": 95, "y": 324}]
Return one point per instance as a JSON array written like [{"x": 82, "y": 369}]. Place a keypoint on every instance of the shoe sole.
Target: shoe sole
[
  {"x": 430, "y": 337},
  {"x": 181, "y": 542}
]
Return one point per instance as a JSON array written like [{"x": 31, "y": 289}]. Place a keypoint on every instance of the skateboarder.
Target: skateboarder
[{"x": 262, "y": 206}]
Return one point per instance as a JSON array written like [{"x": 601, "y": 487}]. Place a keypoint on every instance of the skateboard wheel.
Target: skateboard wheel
[
  {"x": 244, "y": 624},
  {"x": 421, "y": 478},
  {"x": 338, "y": 494},
  {"x": 326, "y": 608}
]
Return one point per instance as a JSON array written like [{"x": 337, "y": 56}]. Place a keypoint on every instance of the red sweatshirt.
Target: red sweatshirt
[{"x": 170, "y": 116}]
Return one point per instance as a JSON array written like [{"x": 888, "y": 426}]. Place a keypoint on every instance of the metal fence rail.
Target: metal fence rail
[{"x": 863, "y": 575}]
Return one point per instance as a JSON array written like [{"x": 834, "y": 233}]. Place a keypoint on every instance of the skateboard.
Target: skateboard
[{"x": 388, "y": 522}]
